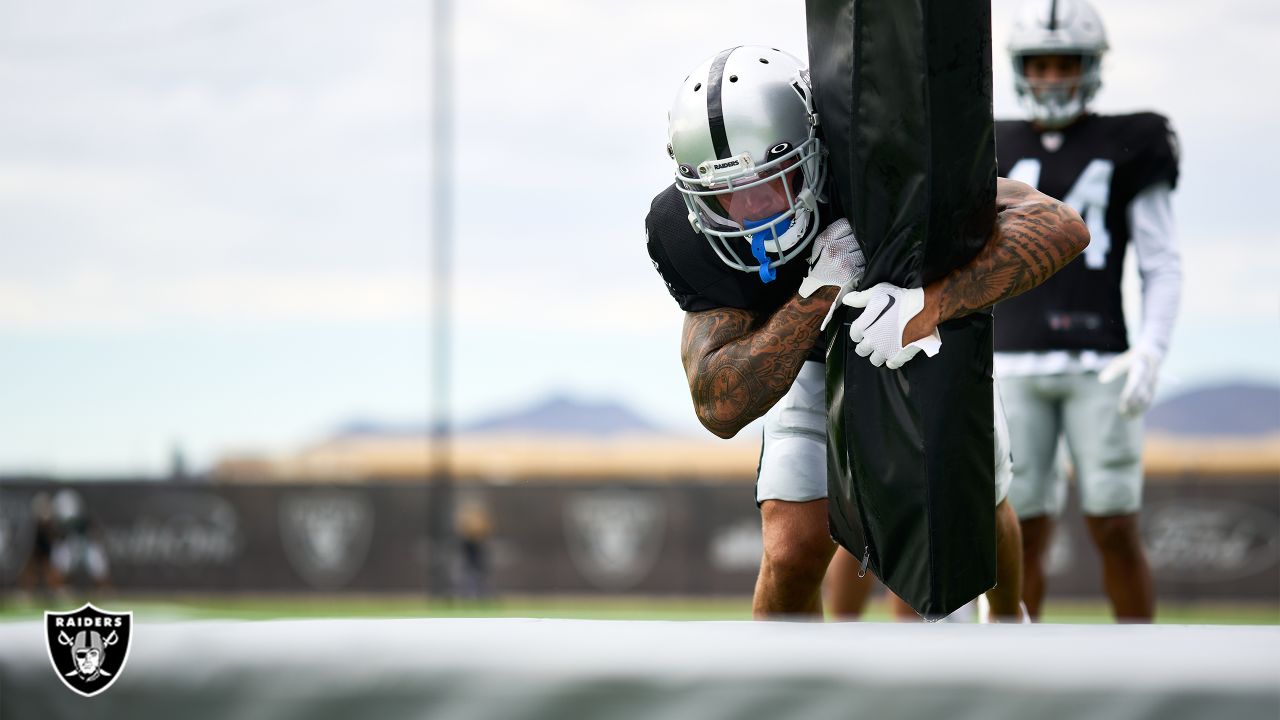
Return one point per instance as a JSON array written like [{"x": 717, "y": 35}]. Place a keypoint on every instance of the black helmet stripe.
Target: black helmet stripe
[
  {"x": 1053, "y": 15},
  {"x": 715, "y": 108}
]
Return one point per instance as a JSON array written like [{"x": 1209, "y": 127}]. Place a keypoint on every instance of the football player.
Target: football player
[
  {"x": 1063, "y": 357},
  {"x": 756, "y": 256}
]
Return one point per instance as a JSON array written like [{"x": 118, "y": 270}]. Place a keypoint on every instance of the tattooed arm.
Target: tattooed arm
[
  {"x": 1034, "y": 237},
  {"x": 738, "y": 365}
]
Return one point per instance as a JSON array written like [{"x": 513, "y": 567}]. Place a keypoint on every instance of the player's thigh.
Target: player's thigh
[
  {"x": 1004, "y": 458},
  {"x": 1034, "y": 423},
  {"x": 64, "y": 556},
  {"x": 96, "y": 561},
  {"x": 793, "y": 452},
  {"x": 1105, "y": 447}
]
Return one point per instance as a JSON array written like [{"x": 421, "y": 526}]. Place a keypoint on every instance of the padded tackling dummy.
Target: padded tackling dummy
[{"x": 903, "y": 91}]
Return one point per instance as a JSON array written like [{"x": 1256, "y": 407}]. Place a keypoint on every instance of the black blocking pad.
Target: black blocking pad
[
  {"x": 903, "y": 93},
  {"x": 910, "y": 466}
]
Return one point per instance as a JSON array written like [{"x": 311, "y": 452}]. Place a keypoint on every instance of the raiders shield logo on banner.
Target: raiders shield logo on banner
[
  {"x": 326, "y": 535},
  {"x": 614, "y": 537},
  {"x": 88, "y": 647}
]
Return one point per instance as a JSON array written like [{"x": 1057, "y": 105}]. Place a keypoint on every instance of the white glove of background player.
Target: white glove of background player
[
  {"x": 878, "y": 330},
  {"x": 1142, "y": 368},
  {"x": 836, "y": 261}
]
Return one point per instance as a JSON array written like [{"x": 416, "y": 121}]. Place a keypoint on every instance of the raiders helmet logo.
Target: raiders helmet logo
[{"x": 88, "y": 647}]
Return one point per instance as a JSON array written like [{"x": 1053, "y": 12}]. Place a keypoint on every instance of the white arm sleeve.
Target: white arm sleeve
[{"x": 1159, "y": 264}]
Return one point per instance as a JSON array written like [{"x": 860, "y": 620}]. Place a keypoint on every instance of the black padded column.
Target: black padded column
[{"x": 903, "y": 91}]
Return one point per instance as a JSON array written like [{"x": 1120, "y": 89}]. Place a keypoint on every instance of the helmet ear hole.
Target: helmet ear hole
[{"x": 778, "y": 151}]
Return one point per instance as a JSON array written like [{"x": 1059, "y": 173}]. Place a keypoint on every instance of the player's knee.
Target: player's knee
[
  {"x": 1006, "y": 518},
  {"x": 798, "y": 557},
  {"x": 1036, "y": 533},
  {"x": 1116, "y": 533}
]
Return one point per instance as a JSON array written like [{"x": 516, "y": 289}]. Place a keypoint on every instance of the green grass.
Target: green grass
[
  {"x": 254, "y": 607},
  {"x": 593, "y": 608},
  {"x": 1215, "y": 613}
]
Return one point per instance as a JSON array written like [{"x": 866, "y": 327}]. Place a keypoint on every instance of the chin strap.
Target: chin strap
[{"x": 767, "y": 273}]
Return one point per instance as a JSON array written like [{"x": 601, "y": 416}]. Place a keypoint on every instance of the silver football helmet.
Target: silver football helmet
[
  {"x": 749, "y": 164},
  {"x": 1057, "y": 27}
]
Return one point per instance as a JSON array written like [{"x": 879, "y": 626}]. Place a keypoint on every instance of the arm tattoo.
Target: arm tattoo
[
  {"x": 1034, "y": 237},
  {"x": 739, "y": 365}
]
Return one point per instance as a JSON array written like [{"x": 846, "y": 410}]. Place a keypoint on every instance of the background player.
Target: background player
[
  {"x": 1062, "y": 349},
  {"x": 749, "y": 200}
]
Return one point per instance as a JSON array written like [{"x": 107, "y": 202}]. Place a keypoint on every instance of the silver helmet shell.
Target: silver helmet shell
[
  {"x": 1057, "y": 27},
  {"x": 738, "y": 121}
]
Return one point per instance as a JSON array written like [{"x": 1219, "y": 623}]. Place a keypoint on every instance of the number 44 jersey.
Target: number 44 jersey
[{"x": 1097, "y": 165}]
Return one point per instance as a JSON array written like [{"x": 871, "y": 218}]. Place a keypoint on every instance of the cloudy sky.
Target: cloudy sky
[{"x": 216, "y": 226}]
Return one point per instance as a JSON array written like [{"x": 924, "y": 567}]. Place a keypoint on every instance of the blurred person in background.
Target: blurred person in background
[
  {"x": 748, "y": 199},
  {"x": 40, "y": 575},
  {"x": 79, "y": 555},
  {"x": 1063, "y": 358},
  {"x": 474, "y": 527}
]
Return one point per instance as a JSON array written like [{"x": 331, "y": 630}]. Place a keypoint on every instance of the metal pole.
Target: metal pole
[{"x": 440, "y": 507}]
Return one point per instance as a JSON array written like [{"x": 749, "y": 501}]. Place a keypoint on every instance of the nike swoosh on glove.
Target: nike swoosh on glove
[
  {"x": 1142, "y": 370},
  {"x": 878, "y": 331},
  {"x": 836, "y": 260}
]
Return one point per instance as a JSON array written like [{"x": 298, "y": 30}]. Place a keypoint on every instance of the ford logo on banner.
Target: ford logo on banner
[{"x": 1209, "y": 541}]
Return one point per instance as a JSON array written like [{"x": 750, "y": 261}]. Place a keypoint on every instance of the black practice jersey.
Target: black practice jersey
[
  {"x": 1097, "y": 165},
  {"x": 699, "y": 280}
]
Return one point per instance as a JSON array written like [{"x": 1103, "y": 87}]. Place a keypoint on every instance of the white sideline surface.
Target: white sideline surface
[{"x": 518, "y": 669}]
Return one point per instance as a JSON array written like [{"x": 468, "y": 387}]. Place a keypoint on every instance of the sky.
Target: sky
[{"x": 217, "y": 231}]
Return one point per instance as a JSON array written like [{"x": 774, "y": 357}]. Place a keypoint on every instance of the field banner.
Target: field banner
[{"x": 1207, "y": 539}]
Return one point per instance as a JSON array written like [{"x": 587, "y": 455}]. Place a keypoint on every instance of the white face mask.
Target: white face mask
[
  {"x": 1054, "y": 104},
  {"x": 772, "y": 207}
]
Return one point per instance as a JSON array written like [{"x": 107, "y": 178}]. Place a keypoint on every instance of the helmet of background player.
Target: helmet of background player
[
  {"x": 749, "y": 164},
  {"x": 1057, "y": 28}
]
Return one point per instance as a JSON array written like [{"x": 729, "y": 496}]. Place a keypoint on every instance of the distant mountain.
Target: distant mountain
[
  {"x": 557, "y": 415},
  {"x": 372, "y": 428},
  {"x": 1230, "y": 409},
  {"x": 1239, "y": 409},
  {"x": 563, "y": 415}
]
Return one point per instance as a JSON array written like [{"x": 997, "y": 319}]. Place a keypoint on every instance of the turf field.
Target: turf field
[{"x": 592, "y": 608}]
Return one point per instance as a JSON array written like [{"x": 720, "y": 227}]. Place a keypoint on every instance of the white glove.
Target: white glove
[
  {"x": 836, "y": 260},
  {"x": 1142, "y": 368},
  {"x": 878, "y": 331}
]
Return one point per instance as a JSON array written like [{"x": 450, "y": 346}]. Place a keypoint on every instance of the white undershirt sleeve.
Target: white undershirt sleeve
[{"x": 1159, "y": 265}]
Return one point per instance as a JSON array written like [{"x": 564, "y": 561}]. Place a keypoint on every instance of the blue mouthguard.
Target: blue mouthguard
[{"x": 767, "y": 274}]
